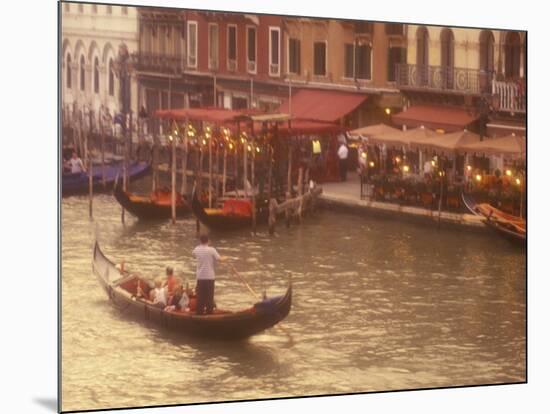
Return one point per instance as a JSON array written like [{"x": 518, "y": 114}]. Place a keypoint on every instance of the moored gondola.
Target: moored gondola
[
  {"x": 74, "y": 184},
  {"x": 511, "y": 227},
  {"x": 234, "y": 213},
  {"x": 156, "y": 206},
  {"x": 121, "y": 287}
]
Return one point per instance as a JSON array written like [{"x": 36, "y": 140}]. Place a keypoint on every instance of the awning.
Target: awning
[
  {"x": 435, "y": 117},
  {"x": 214, "y": 115},
  {"x": 512, "y": 146},
  {"x": 321, "y": 105},
  {"x": 309, "y": 127}
]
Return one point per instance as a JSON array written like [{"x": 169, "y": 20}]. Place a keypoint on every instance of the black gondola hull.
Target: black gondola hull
[
  {"x": 228, "y": 222},
  {"x": 148, "y": 210},
  {"x": 231, "y": 326}
]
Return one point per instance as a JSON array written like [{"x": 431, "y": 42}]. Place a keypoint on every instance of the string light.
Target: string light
[
  {"x": 469, "y": 168},
  {"x": 406, "y": 168},
  {"x": 433, "y": 163},
  {"x": 509, "y": 173},
  {"x": 397, "y": 160},
  {"x": 371, "y": 164},
  {"x": 518, "y": 181},
  {"x": 230, "y": 145},
  {"x": 364, "y": 154},
  {"x": 249, "y": 148},
  {"x": 478, "y": 177}
]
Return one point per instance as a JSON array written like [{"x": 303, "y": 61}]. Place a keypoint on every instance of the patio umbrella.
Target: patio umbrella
[
  {"x": 447, "y": 143},
  {"x": 511, "y": 146},
  {"x": 373, "y": 131},
  {"x": 399, "y": 138}
]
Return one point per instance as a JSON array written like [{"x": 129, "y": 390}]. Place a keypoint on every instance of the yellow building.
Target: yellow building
[
  {"x": 481, "y": 72},
  {"x": 347, "y": 55}
]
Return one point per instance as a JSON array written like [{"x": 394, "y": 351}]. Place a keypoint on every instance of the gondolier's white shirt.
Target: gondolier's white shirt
[{"x": 206, "y": 260}]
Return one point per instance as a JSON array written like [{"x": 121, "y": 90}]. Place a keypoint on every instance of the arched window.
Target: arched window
[
  {"x": 486, "y": 60},
  {"x": 486, "y": 51},
  {"x": 111, "y": 78},
  {"x": 96, "y": 75},
  {"x": 447, "y": 58},
  {"x": 68, "y": 71},
  {"x": 422, "y": 49},
  {"x": 512, "y": 55},
  {"x": 82, "y": 73}
]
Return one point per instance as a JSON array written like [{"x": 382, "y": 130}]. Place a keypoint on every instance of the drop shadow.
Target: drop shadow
[{"x": 47, "y": 402}]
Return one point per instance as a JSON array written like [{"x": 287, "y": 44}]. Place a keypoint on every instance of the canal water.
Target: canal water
[{"x": 378, "y": 304}]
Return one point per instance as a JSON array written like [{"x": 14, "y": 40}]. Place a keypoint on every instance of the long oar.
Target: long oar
[
  {"x": 255, "y": 294},
  {"x": 252, "y": 291}
]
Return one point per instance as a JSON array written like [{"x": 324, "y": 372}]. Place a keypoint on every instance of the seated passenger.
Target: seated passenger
[
  {"x": 170, "y": 282},
  {"x": 179, "y": 301},
  {"x": 158, "y": 294}
]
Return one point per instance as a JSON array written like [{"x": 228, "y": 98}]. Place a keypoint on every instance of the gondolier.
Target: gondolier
[{"x": 207, "y": 257}]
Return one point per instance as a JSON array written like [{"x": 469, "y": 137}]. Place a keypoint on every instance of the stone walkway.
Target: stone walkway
[{"x": 347, "y": 194}]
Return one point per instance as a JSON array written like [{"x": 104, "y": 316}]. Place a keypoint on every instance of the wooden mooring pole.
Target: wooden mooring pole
[
  {"x": 184, "y": 160},
  {"x": 90, "y": 174},
  {"x": 173, "y": 181},
  {"x": 253, "y": 191}
]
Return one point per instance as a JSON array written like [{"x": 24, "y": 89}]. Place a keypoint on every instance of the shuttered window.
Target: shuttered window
[
  {"x": 363, "y": 61},
  {"x": 320, "y": 55},
  {"x": 294, "y": 56}
]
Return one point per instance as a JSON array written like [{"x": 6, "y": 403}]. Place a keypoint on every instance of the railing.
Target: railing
[
  {"x": 509, "y": 96},
  {"x": 159, "y": 62},
  {"x": 439, "y": 78}
]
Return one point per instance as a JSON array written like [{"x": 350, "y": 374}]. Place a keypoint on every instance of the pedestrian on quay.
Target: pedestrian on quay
[
  {"x": 343, "y": 160},
  {"x": 207, "y": 257},
  {"x": 75, "y": 164}
]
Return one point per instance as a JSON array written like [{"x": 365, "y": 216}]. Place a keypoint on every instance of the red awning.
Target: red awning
[
  {"x": 215, "y": 115},
  {"x": 309, "y": 127},
  {"x": 435, "y": 117},
  {"x": 321, "y": 105}
]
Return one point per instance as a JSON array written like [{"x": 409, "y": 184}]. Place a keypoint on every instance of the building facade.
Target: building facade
[
  {"x": 478, "y": 71},
  {"x": 92, "y": 38},
  {"x": 233, "y": 60}
]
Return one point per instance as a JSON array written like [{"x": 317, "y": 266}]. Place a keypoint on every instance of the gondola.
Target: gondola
[
  {"x": 121, "y": 288},
  {"x": 156, "y": 206},
  {"x": 511, "y": 227},
  {"x": 234, "y": 213},
  {"x": 74, "y": 184}
]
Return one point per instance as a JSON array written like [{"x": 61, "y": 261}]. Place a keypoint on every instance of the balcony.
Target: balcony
[
  {"x": 443, "y": 80},
  {"x": 509, "y": 96},
  {"x": 161, "y": 63}
]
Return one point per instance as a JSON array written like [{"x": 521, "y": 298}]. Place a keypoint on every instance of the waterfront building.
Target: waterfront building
[
  {"x": 92, "y": 36},
  {"x": 234, "y": 60},
  {"x": 456, "y": 78}
]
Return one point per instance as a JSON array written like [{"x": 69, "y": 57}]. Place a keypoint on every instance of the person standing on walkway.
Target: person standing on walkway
[
  {"x": 343, "y": 161},
  {"x": 75, "y": 164},
  {"x": 207, "y": 257}
]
